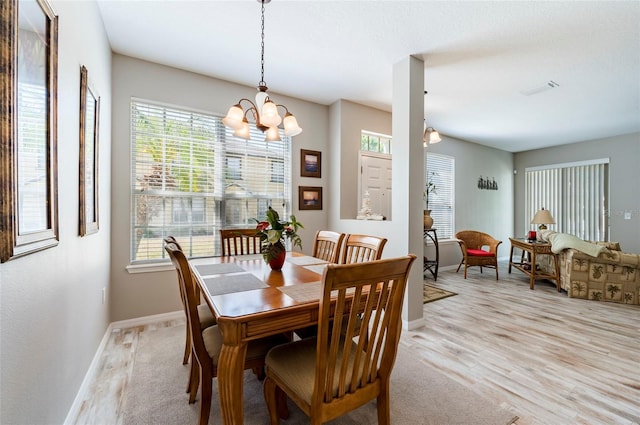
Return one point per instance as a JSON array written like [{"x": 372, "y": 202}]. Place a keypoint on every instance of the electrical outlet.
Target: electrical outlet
[
  {"x": 104, "y": 295},
  {"x": 627, "y": 215}
]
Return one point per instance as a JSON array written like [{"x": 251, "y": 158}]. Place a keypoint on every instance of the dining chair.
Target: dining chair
[
  {"x": 362, "y": 248},
  {"x": 239, "y": 241},
  {"x": 332, "y": 374},
  {"x": 206, "y": 343},
  {"x": 327, "y": 245},
  {"x": 205, "y": 316},
  {"x": 472, "y": 244}
]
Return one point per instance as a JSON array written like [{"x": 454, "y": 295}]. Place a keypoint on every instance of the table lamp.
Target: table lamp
[{"x": 543, "y": 217}]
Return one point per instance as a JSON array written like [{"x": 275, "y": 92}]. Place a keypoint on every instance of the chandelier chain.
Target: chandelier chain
[{"x": 262, "y": 82}]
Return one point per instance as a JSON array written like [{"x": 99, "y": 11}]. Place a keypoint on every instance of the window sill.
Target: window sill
[{"x": 149, "y": 268}]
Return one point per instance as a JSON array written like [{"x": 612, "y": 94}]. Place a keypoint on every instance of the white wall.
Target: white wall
[
  {"x": 136, "y": 295},
  {"x": 52, "y": 314}
]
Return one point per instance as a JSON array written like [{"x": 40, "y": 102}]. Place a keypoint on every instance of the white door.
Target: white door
[{"x": 375, "y": 177}]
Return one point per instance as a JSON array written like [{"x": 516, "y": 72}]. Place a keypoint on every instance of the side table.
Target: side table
[
  {"x": 431, "y": 265},
  {"x": 528, "y": 266}
]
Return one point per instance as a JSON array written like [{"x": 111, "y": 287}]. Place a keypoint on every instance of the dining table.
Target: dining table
[{"x": 251, "y": 301}]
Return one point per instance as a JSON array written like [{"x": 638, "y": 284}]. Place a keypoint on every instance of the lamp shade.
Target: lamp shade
[
  {"x": 234, "y": 117},
  {"x": 434, "y": 137},
  {"x": 543, "y": 217},
  {"x": 269, "y": 116},
  {"x": 272, "y": 134},
  {"x": 244, "y": 131},
  {"x": 291, "y": 127}
]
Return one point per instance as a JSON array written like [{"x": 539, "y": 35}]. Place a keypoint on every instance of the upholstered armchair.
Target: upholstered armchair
[{"x": 478, "y": 249}]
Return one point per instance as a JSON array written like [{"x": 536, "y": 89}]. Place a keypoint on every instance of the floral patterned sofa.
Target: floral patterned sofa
[{"x": 611, "y": 276}]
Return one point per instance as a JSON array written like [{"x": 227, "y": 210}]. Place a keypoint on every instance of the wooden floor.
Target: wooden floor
[{"x": 547, "y": 358}]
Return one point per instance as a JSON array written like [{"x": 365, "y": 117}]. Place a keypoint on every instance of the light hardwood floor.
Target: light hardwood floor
[{"x": 549, "y": 359}]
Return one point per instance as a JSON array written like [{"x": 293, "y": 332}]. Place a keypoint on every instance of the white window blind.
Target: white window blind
[
  {"x": 576, "y": 195},
  {"x": 191, "y": 177},
  {"x": 441, "y": 170}
]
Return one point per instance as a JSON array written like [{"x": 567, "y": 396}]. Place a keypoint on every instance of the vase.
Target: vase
[
  {"x": 427, "y": 220},
  {"x": 277, "y": 255}
]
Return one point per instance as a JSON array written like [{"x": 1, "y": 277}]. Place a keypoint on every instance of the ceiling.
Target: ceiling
[{"x": 488, "y": 64}]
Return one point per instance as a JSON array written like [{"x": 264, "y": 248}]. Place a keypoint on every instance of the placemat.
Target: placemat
[
  {"x": 303, "y": 292},
  {"x": 209, "y": 269},
  {"x": 248, "y": 257},
  {"x": 305, "y": 260},
  {"x": 233, "y": 283},
  {"x": 317, "y": 268},
  {"x": 307, "y": 292}
]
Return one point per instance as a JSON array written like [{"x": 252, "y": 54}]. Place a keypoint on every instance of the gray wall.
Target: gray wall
[
  {"x": 51, "y": 310},
  {"x": 142, "y": 294},
  {"x": 624, "y": 181}
]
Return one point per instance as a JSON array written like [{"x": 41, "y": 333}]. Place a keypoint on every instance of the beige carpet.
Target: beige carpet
[
  {"x": 419, "y": 395},
  {"x": 432, "y": 293}
]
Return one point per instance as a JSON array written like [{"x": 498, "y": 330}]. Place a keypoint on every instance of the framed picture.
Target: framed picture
[
  {"x": 89, "y": 123},
  {"x": 310, "y": 163},
  {"x": 309, "y": 198},
  {"x": 28, "y": 127}
]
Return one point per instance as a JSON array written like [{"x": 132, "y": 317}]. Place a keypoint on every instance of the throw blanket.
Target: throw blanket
[{"x": 560, "y": 241}]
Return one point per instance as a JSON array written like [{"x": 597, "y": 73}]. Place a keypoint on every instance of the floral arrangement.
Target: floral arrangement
[
  {"x": 429, "y": 187},
  {"x": 273, "y": 232}
]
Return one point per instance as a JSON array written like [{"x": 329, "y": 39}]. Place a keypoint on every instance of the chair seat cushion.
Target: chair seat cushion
[
  {"x": 480, "y": 253},
  {"x": 206, "y": 317},
  {"x": 294, "y": 364},
  {"x": 212, "y": 338}
]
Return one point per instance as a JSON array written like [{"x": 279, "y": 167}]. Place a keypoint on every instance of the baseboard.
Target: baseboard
[
  {"x": 93, "y": 367},
  {"x": 413, "y": 325}
]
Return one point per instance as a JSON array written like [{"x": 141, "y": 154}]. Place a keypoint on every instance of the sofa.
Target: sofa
[{"x": 611, "y": 276}]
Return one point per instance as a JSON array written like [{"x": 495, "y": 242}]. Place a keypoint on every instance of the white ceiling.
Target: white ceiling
[{"x": 480, "y": 56}]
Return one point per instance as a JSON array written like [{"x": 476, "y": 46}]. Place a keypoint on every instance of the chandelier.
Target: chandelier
[
  {"x": 430, "y": 136},
  {"x": 263, "y": 111}
]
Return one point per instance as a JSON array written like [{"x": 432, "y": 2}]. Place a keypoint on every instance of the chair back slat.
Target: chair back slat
[
  {"x": 239, "y": 242},
  {"x": 362, "y": 248},
  {"x": 361, "y": 352},
  {"x": 192, "y": 298},
  {"x": 327, "y": 245}
]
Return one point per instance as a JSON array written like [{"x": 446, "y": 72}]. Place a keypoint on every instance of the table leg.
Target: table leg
[
  {"x": 532, "y": 279},
  {"x": 557, "y": 268},
  {"x": 510, "y": 258},
  {"x": 230, "y": 382}
]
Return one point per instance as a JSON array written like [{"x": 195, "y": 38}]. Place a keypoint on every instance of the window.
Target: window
[
  {"x": 441, "y": 170},
  {"x": 191, "y": 177},
  {"x": 234, "y": 168},
  {"x": 373, "y": 142},
  {"x": 576, "y": 194},
  {"x": 277, "y": 171}
]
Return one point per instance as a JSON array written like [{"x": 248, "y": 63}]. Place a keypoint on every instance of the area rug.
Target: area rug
[
  {"x": 419, "y": 394},
  {"x": 431, "y": 293}
]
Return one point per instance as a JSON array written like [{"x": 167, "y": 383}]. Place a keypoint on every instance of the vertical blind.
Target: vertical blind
[
  {"x": 575, "y": 194},
  {"x": 191, "y": 178},
  {"x": 441, "y": 170}
]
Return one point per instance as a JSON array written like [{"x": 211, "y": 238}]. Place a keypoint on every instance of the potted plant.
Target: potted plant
[
  {"x": 273, "y": 232},
  {"x": 429, "y": 187}
]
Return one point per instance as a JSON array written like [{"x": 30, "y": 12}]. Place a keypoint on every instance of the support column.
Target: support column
[{"x": 408, "y": 175}]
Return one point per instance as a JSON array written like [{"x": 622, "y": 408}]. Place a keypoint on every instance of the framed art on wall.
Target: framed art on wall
[
  {"x": 309, "y": 198},
  {"x": 28, "y": 127},
  {"x": 310, "y": 163},
  {"x": 89, "y": 123}
]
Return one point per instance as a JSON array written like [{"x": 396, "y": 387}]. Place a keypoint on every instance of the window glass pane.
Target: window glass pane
[
  {"x": 192, "y": 178},
  {"x": 364, "y": 142},
  {"x": 440, "y": 170}
]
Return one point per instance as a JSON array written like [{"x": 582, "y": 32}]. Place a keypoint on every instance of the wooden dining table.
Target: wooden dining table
[{"x": 251, "y": 301}]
